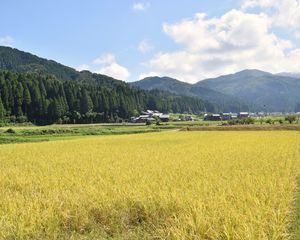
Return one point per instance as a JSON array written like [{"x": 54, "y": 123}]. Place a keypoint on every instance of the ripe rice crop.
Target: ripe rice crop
[{"x": 175, "y": 185}]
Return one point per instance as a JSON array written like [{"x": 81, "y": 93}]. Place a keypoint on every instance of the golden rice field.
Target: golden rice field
[{"x": 172, "y": 185}]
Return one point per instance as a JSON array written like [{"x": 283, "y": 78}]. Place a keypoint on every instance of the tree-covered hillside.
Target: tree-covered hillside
[
  {"x": 19, "y": 61},
  {"x": 248, "y": 90},
  {"x": 265, "y": 91},
  {"x": 221, "y": 102},
  {"x": 44, "y": 91},
  {"x": 43, "y": 99},
  {"x": 12, "y": 59}
]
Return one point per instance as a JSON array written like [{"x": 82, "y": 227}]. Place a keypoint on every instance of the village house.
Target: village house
[
  {"x": 212, "y": 117},
  {"x": 243, "y": 115},
  {"x": 233, "y": 116},
  {"x": 164, "y": 118},
  {"x": 226, "y": 116},
  {"x": 189, "y": 118},
  {"x": 150, "y": 116}
]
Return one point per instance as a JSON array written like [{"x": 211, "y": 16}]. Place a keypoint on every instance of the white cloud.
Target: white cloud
[
  {"x": 7, "y": 41},
  {"x": 257, "y": 3},
  {"x": 145, "y": 46},
  {"x": 234, "y": 29},
  {"x": 297, "y": 35},
  {"x": 108, "y": 66},
  {"x": 107, "y": 58},
  {"x": 285, "y": 13},
  {"x": 233, "y": 42},
  {"x": 83, "y": 67},
  {"x": 140, "y": 6},
  {"x": 194, "y": 34},
  {"x": 115, "y": 70}
]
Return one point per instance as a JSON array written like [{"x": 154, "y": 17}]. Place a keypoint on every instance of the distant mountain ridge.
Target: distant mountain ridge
[
  {"x": 258, "y": 90},
  {"x": 222, "y": 101},
  {"x": 264, "y": 91},
  {"x": 19, "y": 61},
  {"x": 12, "y": 59}
]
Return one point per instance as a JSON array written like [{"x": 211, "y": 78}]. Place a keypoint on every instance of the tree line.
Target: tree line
[{"x": 44, "y": 99}]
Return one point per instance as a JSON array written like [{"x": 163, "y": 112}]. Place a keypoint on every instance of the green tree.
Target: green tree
[
  {"x": 55, "y": 109},
  {"x": 2, "y": 109},
  {"x": 291, "y": 118},
  {"x": 86, "y": 104},
  {"x": 26, "y": 99},
  {"x": 19, "y": 99}
]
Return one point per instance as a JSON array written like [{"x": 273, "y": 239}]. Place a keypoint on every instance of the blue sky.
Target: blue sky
[{"x": 133, "y": 39}]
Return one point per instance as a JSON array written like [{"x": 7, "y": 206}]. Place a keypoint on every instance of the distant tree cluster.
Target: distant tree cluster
[
  {"x": 44, "y": 100},
  {"x": 245, "y": 121},
  {"x": 291, "y": 118}
]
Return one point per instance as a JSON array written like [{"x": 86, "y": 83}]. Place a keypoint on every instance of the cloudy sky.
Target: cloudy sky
[{"x": 189, "y": 40}]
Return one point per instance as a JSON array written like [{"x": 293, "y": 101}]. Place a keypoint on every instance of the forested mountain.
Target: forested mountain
[
  {"x": 23, "y": 62},
  {"x": 19, "y": 61},
  {"x": 44, "y": 99},
  {"x": 44, "y": 91},
  {"x": 265, "y": 91},
  {"x": 222, "y": 102},
  {"x": 252, "y": 90}
]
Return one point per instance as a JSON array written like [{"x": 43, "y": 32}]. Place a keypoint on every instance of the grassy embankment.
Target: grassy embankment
[
  {"x": 31, "y": 133},
  {"x": 15, "y": 134}
]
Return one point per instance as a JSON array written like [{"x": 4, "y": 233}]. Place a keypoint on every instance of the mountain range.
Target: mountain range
[
  {"x": 248, "y": 90},
  {"x": 253, "y": 89},
  {"x": 222, "y": 102}
]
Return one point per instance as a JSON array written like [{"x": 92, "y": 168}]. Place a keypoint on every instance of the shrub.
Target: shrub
[
  {"x": 241, "y": 121},
  {"x": 12, "y": 119},
  {"x": 22, "y": 119},
  {"x": 249, "y": 121},
  {"x": 291, "y": 118},
  {"x": 232, "y": 122},
  {"x": 269, "y": 121},
  {"x": 148, "y": 122},
  {"x": 10, "y": 130}
]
